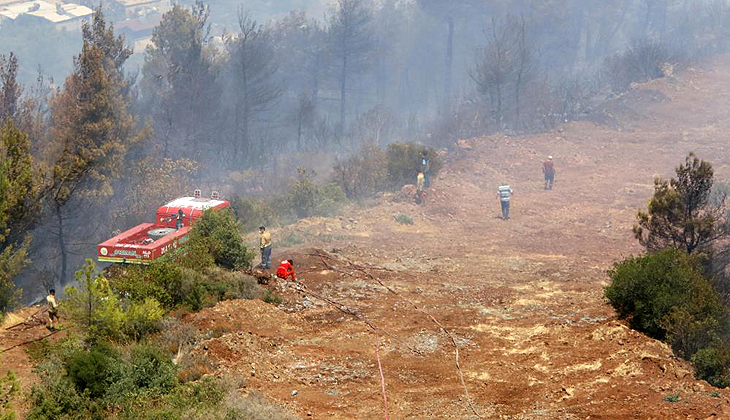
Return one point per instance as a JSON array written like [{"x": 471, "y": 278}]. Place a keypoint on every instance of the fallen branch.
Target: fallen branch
[
  {"x": 29, "y": 341},
  {"x": 25, "y": 322}
]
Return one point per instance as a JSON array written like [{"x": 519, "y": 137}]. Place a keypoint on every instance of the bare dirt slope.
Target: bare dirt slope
[{"x": 521, "y": 300}]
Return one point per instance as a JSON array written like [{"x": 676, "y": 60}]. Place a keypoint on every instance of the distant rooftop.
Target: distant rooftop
[
  {"x": 53, "y": 12},
  {"x": 132, "y": 3}
]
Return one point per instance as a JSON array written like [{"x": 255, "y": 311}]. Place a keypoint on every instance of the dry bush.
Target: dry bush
[
  {"x": 177, "y": 335},
  {"x": 466, "y": 118},
  {"x": 362, "y": 175},
  {"x": 643, "y": 61},
  {"x": 194, "y": 366},
  {"x": 254, "y": 407}
]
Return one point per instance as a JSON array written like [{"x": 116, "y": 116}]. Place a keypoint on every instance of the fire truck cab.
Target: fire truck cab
[{"x": 151, "y": 241}]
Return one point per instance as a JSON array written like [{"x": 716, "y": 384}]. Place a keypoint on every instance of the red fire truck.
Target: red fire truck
[{"x": 150, "y": 241}]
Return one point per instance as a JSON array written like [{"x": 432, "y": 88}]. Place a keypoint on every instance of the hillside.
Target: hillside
[{"x": 472, "y": 316}]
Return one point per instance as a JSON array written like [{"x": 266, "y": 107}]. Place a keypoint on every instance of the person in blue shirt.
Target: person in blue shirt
[{"x": 426, "y": 168}]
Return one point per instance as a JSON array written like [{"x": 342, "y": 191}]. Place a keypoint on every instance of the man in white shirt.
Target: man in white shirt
[
  {"x": 52, "y": 309},
  {"x": 504, "y": 192}
]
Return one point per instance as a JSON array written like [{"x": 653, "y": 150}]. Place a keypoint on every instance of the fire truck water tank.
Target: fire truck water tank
[{"x": 156, "y": 234}]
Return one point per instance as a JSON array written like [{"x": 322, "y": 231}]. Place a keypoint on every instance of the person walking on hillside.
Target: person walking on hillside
[
  {"x": 425, "y": 168},
  {"x": 52, "y": 309},
  {"x": 285, "y": 270},
  {"x": 504, "y": 193},
  {"x": 549, "y": 170},
  {"x": 265, "y": 245}
]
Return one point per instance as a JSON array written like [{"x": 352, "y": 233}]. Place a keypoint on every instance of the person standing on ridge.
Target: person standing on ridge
[
  {"x": 504, "y": 193},
  {"x": 549, "y": 170},
  {"x": 425, "y": 168},
  {"x": 420, "y": 183},
  {"x": 265, "y": 245},
  {"x": 52, "y": 309}
]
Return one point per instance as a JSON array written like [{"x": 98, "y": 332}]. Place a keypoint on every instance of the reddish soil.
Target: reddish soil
[{"x": 521, "y": 300}]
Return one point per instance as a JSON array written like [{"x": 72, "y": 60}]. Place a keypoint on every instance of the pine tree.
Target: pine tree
[
  {"x": 93, "y": 307},
  {"x": 92, "y": 127},
  {"x": 680, "y": 214},
  {"x": 19, "y": 207}
]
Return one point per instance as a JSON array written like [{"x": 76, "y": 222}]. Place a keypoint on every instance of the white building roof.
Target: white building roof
[{"x": 46, "y": 10}]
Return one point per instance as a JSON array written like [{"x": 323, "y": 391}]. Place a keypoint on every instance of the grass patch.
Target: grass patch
[
  {"x": 272, "y": 298},
  {"x": 672, "y": 397}
]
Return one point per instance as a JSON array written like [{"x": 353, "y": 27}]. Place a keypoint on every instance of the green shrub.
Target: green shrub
[
  {"x": 687, "y": 333},
  {"x": 403, "y": 219},
  {"x": 93, "y": 371},
  {"x": 647, "y": 289},
  {"x": 195, "y": 400},
  {"x": 713, "y": 365},
  {"x": 38, "y": 351},
  {"x": 140, "y": 283},
  {"x": 152, "y": 370},
  {"x": 672, "y": 397},
  {"x": 307, "y": 199},
  {"x": 143, "y": 318},
  {"x": 58, "y": 399},
  {"x": 272, "y": 298},
  {"x": 404, "y": 161},
  {"x": 219, "y": 233}
]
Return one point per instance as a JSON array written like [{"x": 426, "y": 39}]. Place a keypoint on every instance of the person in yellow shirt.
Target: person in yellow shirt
[
  {"x": 265, "y": 245},
  {"x": 52, "y": 309},
  {"x": 420, "y": 185}
]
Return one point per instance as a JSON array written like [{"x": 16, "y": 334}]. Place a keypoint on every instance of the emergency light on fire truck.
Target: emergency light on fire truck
[{"x": 150, "y": 241}]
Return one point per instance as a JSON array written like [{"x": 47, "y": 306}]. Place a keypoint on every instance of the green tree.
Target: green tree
[
  {"x": 19, "y": 207},
  {"x": 219, "y": 233},
  {"x": 92, "y": 127},
  {"x": 93, "y": 307},
  {"x": 680, "y": 214}
]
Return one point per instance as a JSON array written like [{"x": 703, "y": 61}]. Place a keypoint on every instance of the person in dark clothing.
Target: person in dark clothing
[
  {"x": 179, "y": 220},
  {"x": 549, "y": 170},
  {"x": 426, "y": 168}
]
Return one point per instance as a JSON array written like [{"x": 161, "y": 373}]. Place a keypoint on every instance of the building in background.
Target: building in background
[
  {"x": 66, "y": 16},
  {"x": 140, "y": 8},
  {"x": 138, "y": 31}
]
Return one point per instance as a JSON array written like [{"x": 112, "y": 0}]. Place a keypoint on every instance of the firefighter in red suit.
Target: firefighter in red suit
[{"x": 285, "y": 270}]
